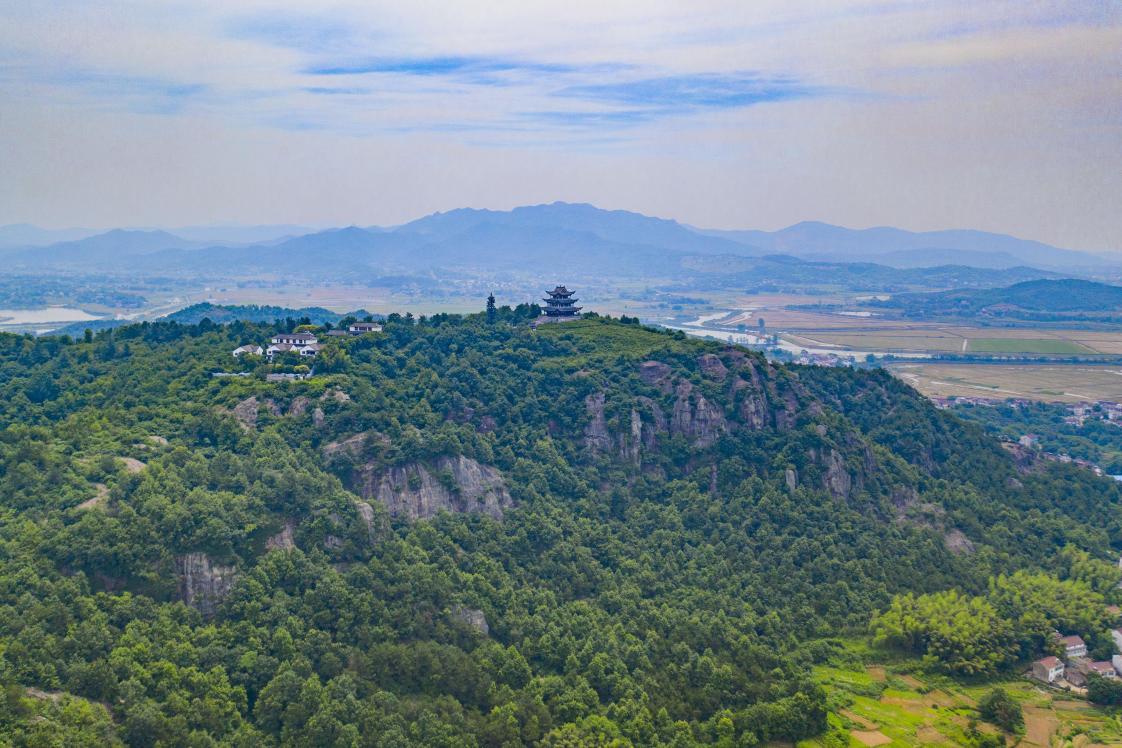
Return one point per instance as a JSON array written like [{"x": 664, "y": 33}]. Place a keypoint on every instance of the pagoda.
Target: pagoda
[{"x": 560, "y": 303}]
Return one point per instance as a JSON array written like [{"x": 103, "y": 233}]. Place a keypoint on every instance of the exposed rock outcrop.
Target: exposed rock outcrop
[
  {"x": 246, "y": 413},
  {"x": 472, "y": 617},
  {"x": 791, "y": 478},
  {"x": 366, "y": 514},
  {"x": 957, "y": 542},
  {"x": 653, "y": 421},
  {"x": 696, "y": 418},
  {"x": 299, "y": 406},
  {"x": 285, "y": 539},
  {"x": 353, "y": 447},
  {"x": 712, "y": 367},
  {"x": 656, "y": 373},
  {"x": 132, "y": 465},
  {"x": 420, "y": 490},
  {"x": 837, "y": 480},
  {"x": 596, "y": 436},
  {"x": 202, "y": 583},
  {"x": 100, "y": 497}
]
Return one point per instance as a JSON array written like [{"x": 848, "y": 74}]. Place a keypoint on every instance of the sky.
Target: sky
[{"x": 1001, "y": 115}]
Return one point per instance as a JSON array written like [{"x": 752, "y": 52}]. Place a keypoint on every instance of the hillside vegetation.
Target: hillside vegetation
[
  {"x": 1068, "y": 299},
  {"x": 469, "y": 532}
]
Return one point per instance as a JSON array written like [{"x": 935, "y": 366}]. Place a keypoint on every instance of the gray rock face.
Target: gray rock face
[
  {"x": 299, "y": 406},
  {"x": 284, "y": 540},
  {"x": 202, "y": 583},
  {"x": 656, "y": 373},
  {"x": 957, "y": 543},
  {"x": 837, "y": 480},
  {"x": 472, "y": 617},
  {"x": 631, "y": 442},
  {"x": 596, "y": 436},
  {"x": 696, "y": 418},
  {"x": 247, "y": 410},
  {"x": 366, "y": 514},
  {"x": 791, "y": 478},
  {"x": 451, "y": 483},
  {"x": 753, "y": 409},
  {"x": 318, "y": 417},
  {"x": 246, "y": 413},
  {"x": 712, "y": 367}
]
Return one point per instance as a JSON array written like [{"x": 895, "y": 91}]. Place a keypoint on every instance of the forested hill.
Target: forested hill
[
  {"x": 468, "y": 532},
  {"x": 1037, "y": 300}
]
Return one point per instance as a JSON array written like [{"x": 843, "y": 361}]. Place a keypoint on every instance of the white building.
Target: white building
[
  {"x": 252, "y": 350},
  {"x": 1049, "y": 669},
  {"x": 303, "y": 343}
]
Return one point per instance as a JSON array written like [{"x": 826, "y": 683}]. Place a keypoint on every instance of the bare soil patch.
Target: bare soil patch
[
  {"x": 871, "y": 737},
  {"x": 1039, "y": 726}
]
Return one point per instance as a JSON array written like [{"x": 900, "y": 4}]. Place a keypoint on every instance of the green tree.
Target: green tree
[{"x": 1001, "y": 709}]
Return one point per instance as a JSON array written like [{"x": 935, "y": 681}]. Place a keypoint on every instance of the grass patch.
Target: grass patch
[
  {"x": 1025, "y": 345},
  {"x": 897, "y": 699},
  {"x": 586, "y": 341}
]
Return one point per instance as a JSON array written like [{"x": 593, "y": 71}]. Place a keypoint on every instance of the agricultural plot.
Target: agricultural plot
[
  {"x": 856, "y": 333},
  {"x": 874, "y": 705},
  {"x": 1026, "y": 345},
  {"x": 1053, "y": 383}
]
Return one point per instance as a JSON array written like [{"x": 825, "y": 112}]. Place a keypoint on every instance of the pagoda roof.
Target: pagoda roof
[{"x": 560, "y": 291}]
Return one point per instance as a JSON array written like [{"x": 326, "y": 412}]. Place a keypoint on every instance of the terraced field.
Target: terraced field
[{"x": 875, "y": 705}]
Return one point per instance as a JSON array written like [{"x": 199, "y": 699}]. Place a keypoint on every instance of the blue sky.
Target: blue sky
[{"x": 1004, "y": 115}]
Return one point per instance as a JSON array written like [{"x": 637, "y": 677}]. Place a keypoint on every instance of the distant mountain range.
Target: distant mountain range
[
  {"x": 900, "y": 248},
  {"x": 558, "y": 237},
  {"x": 24, "y": 235}
]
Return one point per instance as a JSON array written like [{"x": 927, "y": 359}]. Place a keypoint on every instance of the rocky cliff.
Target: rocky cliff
[
  {"x": 419, "y": 490},
  {"x": 746, "y": 399},
  {"x": 730, "y": 393},
  {"x": 202, "y": 583}
]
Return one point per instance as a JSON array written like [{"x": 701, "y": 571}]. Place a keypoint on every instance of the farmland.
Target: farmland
[
  {"x": 1050, "y": 382},
  {"x": 831, "y": 330},
  {"x": 893, "y": 704}
]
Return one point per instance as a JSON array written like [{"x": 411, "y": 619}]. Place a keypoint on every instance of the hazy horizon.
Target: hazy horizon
[
  {"x": 1000, "y": 117},
  {"x": 313, "y": 228}
]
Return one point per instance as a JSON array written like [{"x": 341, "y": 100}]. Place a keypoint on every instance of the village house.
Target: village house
[
  {"x": 294, "y": 338},
  {"x": 1048, "y": 669},
  {"x": 302, "y": 343},
  {"x": 252, "y": 350},
  {"x": 1073, "y": 646},
  {"x": 361, "y": 328},
  {"x": 1103, "y": 668},
  {"x": 1029, "y": 441}
]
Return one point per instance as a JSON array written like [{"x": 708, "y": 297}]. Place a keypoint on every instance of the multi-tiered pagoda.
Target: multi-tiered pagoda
[{"x": 560, "y": 303}]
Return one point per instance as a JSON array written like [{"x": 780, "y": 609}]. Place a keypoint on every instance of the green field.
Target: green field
[
  {"x": 1025, "y": 345},
  {"x": 894, "y": 703}
]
